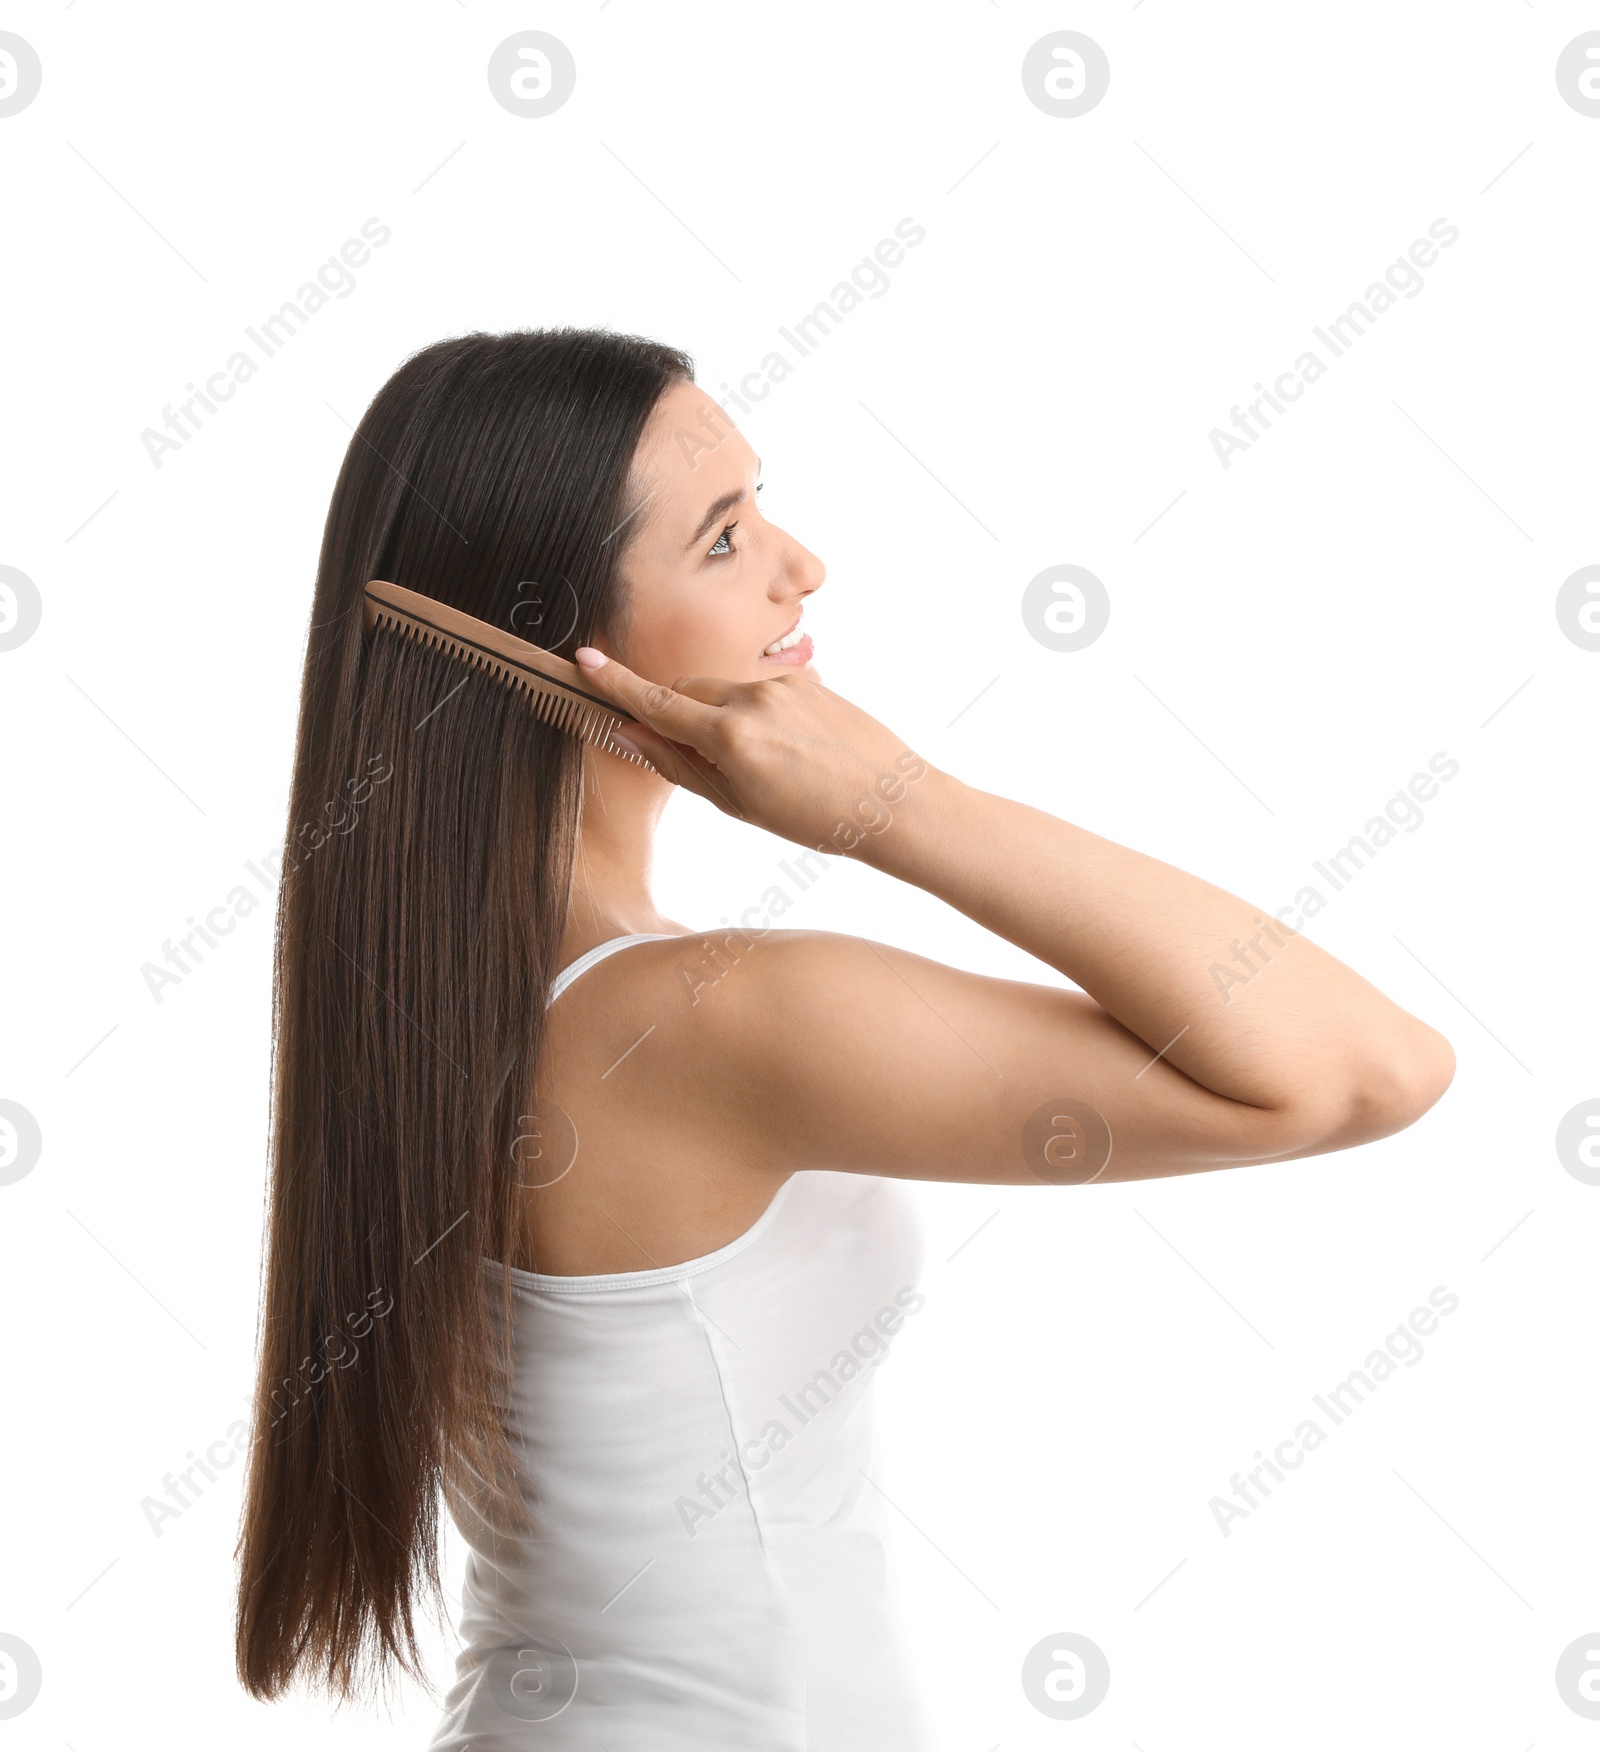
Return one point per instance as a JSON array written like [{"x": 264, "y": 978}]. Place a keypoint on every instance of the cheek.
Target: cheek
[{"x": 710, "y": 638}]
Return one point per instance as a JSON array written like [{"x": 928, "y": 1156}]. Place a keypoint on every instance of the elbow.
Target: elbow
[{"x": 1387, "y": 1096}]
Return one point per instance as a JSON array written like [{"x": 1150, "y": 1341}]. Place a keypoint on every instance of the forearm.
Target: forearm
[{"x": 1231, "y": 997}]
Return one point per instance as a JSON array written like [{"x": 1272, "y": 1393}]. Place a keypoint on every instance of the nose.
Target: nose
[{"x": 804, "y": 571}]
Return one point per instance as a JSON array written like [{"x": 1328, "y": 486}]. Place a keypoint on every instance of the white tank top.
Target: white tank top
[{"x": 708, "y": 1565}]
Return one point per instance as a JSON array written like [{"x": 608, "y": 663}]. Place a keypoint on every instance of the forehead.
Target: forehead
[{"x": 690, "y": 449}]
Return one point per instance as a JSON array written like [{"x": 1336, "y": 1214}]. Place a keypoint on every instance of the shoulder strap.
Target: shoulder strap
[{"x": 601, "y": 950}]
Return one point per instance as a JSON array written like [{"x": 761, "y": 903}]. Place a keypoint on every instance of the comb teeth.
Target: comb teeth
[{"x": 549, "y": 701}]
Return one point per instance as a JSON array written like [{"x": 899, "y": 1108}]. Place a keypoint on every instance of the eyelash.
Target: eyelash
[{"x": 711, "y": 553}]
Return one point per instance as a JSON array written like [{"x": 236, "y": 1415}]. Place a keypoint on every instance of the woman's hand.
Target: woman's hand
[{"x": 784, "y": 753}]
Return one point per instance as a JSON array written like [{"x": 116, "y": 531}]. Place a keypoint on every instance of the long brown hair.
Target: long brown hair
[{"x": 432, "y": 831}]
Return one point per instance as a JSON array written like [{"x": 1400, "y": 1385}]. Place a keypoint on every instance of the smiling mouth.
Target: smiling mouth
[{"x": 789, "y": 639}]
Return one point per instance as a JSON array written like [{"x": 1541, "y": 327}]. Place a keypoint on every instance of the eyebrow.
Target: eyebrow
[{"x": 715, "y": 510}]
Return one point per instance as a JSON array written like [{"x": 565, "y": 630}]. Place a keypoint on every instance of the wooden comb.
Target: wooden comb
[{"x": 549, "y": 682}]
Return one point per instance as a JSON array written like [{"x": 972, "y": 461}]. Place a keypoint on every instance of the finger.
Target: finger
[
  {"x": 807, "y": 675},
  {"x": 710, "y": 690},
  {"x": 681, "y": 765},
  {"x": 670, "y": 759},
  {"x": 664, "y": 710}
]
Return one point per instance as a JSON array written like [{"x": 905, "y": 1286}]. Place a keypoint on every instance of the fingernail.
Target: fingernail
[
  {"x": 623, "y": 742},
  {"x": 589, "y": 658}
]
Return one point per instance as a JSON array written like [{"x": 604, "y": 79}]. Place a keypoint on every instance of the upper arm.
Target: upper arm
[{"x": 833, "y": 1051}]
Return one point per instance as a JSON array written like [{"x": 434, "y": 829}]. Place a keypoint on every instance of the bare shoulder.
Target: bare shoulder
[
  {"x": 689, "y": 1039},
  {"x": 674, "y": 1027},
  {"x": 742, "y": 1057},
  {"x": 784, "y": 1050},
  {"x": 741, "y": 996}
]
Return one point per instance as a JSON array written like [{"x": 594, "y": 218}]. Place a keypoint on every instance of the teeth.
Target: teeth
[{"x": 783, "y": 644}]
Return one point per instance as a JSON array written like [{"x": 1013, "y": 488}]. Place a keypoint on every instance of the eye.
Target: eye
[{"x": 717, "y": 550}]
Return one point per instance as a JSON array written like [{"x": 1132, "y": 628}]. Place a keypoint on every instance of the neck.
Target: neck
[{"x": 616, "y": 842}]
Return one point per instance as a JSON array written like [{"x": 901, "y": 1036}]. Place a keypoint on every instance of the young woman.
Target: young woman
[{"x": 588, "y": 1223}]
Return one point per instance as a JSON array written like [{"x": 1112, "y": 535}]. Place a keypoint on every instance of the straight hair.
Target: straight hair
[{"x": 433, "y": 824}]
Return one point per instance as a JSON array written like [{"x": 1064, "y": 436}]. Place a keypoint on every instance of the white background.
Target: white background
[{"x": 1291, "y": 639}]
